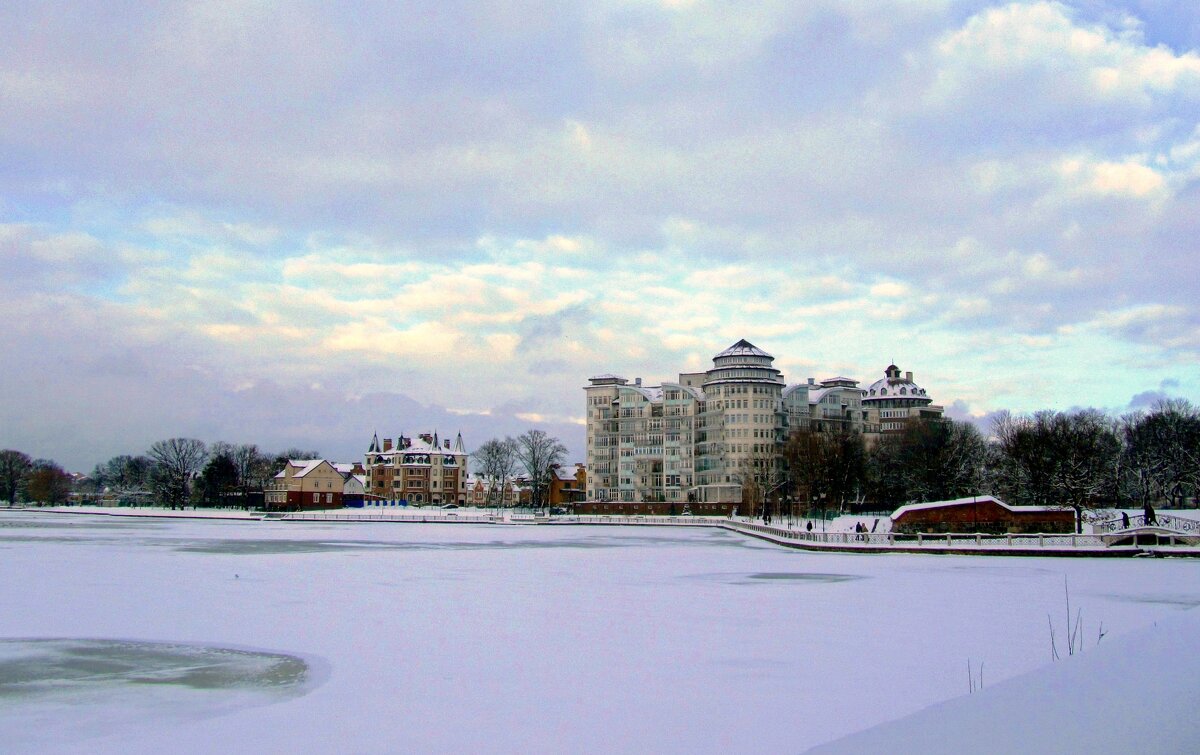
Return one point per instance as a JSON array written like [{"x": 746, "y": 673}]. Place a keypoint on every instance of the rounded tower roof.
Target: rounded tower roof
[{"x": 893, "y": 386}]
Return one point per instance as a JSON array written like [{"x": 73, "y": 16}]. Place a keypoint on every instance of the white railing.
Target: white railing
[
  {"x": 924, "y": 540},
  {"x": 634, "y": 519}
]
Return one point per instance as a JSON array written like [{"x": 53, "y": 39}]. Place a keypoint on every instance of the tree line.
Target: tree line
[
  {"x": 499, "y": 463},
  {"x": 1082, "y": 459},
  {"x": 176, "y": 472}
]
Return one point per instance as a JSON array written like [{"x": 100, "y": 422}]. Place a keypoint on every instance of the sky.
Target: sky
[{"x": 298, "y": 225}]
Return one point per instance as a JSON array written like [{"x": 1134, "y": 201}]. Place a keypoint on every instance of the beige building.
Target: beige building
[
  {"x": 709, "y": 436},
  {"x": 305, "y": 484},
  {"x": 698, "y": 439}
]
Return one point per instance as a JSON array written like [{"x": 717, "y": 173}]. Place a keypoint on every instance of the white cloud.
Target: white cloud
[{"x": 1042, "y": 44}]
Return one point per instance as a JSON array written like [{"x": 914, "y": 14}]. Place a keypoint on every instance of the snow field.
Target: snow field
[{"x": 453, "y": 638}]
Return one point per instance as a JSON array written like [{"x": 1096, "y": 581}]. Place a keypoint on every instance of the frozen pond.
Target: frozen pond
[{"x": 191, "y": 635}]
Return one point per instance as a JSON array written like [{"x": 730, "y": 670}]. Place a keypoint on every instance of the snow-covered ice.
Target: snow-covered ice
[{"x": 453, "y": 638}]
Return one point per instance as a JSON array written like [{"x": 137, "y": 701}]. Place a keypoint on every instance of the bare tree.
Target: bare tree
[
  {"x": 14, "y": 468},
  {"x": 177, "y": 461},
  {"x": 537, "y": 452},
  {"x": 930, "y": 460},
  {"x": 497, "y": 465},
  {"x": 1161, "y": 454},
  {"x": 826, "y": 467},
  {"x": 1059, "y": 459},
  {"x": 758, "y": 475},
  {"x": 253, "y": 471}
]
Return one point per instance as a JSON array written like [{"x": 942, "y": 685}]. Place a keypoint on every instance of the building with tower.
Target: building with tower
[
  {"x": 893, "y": 400},
  {"x": 416, "y": 471},
  {"x": 711, "y": 436}
]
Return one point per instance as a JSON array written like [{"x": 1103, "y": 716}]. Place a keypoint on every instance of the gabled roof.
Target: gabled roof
[{"x": 305, "y": 465}]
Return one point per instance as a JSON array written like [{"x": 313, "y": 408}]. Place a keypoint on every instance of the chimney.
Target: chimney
[
  {"x": 387, "y": 444},
  {"x": 908, "y": 376},
  {"x": 812, "y": 381},
  {"x": 358, "y": 469},
  {"x": 637, "y": 382}
]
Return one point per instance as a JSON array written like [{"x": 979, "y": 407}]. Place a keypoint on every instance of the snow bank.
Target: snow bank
[{"x": 1136, "y": 693}]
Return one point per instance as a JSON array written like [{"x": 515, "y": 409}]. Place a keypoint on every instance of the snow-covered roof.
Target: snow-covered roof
[
  {"x": 421, "y": 446},
  {"x": 566, "y": 475},
  {"x": 652, "y": 392},
  {"x": 743, "y": 348},
  {"x": 305, "y": 465},
  {"x": 839, "y": 380},
  {"x": 892, "y": 385},
  {"x": 789, "y": 390},
  {"x": 964, "y": 502},
  {"x": 693, "y": 391}
]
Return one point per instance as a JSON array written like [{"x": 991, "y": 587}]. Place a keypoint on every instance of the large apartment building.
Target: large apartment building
[{"x": 707, "y": 436}]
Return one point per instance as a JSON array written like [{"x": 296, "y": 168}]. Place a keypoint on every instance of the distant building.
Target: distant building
[
  {"x": 710, "y": 435},
  {"x": 568, "y": 485},
  {"x": 698, "y": 439},
  {"x": 417, "y": 471},
  {"x": 893, "y": 400},
  {"x": 355, "y": 487},
  {"x": 305, "y": 484},
  {"x": 478, "y": 488}
]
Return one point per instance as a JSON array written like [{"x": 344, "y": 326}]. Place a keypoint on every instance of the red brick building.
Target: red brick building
[{"x": 980, "y": 514}]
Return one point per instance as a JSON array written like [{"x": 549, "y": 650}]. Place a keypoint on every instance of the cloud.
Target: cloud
[
  {"x": 469, "y": 206},
  {"x": 1041, "y": 46}
]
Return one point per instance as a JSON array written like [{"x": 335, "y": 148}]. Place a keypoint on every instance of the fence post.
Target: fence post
[
  {"x": 978, "y": 539},
  {"x": 920, "y": 538},
  {"x": 1041, "y": 540}
]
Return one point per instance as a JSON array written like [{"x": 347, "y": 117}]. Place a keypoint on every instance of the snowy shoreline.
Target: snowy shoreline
[{"x": 839, "y": 538}]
